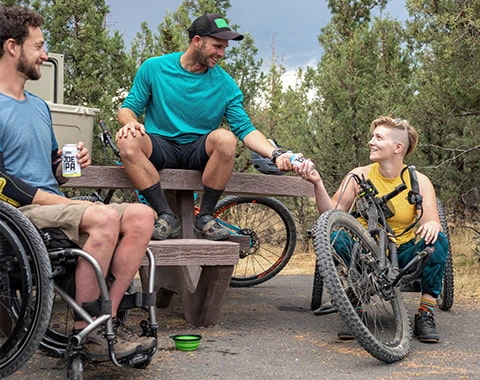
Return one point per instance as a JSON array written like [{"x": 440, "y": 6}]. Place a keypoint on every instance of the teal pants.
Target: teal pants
[{"x": 432, "y": 275}]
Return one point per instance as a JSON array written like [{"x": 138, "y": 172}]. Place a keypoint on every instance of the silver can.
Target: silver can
[
  {"x": 297, "y": 160},
  {"x": 70, "y": 165}
]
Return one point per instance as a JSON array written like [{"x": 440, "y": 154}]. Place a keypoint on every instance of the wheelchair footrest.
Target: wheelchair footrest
[{"x": 137, "y": 300}]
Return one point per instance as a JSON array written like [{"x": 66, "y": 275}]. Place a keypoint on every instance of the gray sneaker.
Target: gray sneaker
[
  {"x": 166, "y": 226},
  {"x": 208, "y": 227},
  {"x": 96, "y": 346},
  {"x": 126, "y": 334}
]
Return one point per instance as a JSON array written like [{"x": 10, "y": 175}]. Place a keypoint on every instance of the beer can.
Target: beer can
[
  {"x": 70, "y": 165},
  {"x": 297, "y": 160}
]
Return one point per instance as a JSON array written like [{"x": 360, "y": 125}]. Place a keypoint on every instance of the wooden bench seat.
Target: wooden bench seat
[{"x": 197, "y": 270}]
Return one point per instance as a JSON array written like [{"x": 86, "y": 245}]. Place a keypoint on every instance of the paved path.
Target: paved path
[{"x": 269, "y": 332}]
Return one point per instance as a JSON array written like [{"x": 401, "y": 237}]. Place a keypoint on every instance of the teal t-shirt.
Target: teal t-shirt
[
  {"x": 182, "y": 106},
  {"x": 27, "y": 141}
]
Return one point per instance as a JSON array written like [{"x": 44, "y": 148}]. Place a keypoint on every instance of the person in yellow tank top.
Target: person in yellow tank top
[{"x": 392, "y": 140}]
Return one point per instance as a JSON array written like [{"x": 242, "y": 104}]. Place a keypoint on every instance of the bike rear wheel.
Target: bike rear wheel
[
  {"x": 446, "y": 297},
  {"x": 348, "y": 258},
  {"x": 26, "y": 289},
  {"x": 272, "y": 232}
]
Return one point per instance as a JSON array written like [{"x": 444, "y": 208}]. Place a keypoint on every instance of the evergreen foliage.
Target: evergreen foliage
[{"x": 425, "y": 71}]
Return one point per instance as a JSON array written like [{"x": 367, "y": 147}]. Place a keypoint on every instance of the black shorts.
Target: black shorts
[{"x": 167, "y": 154}]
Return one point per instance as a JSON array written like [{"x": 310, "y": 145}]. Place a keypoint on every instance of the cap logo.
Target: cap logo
[{"x": 221, "y": 23}]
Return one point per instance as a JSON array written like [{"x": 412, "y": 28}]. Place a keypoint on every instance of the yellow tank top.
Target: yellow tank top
[{"x": 404, "y": 212}]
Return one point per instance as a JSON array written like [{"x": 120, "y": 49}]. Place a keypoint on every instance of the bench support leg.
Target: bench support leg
[{"x": 203, "y": 305}]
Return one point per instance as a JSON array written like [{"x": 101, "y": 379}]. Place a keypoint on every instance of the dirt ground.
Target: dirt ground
[{"x": 269, "y": 332}]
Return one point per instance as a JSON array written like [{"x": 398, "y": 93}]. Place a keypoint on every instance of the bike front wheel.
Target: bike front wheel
[
  {"x": 271, "y": 231},
  {"x": 374, "y": 311}
]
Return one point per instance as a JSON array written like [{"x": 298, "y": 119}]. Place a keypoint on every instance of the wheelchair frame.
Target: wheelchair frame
[{"x": 27, "y": 291}]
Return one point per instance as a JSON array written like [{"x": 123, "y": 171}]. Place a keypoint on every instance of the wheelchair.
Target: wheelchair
[{"x": 37, "y": 305}]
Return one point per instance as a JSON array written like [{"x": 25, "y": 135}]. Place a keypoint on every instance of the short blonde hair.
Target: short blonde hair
[{"x": 411, "y": 134}]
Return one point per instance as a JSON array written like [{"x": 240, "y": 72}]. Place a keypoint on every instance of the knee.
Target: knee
[
  {"x": 441, "y": 248},
  {"x": 224, "y": 142},
  {"x": 102, "y": 223},
  {"x": 129, "y": 147},
  {"x": 138, "y": 220}
]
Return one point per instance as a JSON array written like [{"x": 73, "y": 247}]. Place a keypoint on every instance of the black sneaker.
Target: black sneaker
[
  {"x": 166, "y": 226},
  {"x": 424, "y": 328},
  {"x": 345, "y": 333},
  {"x": 208, "y": 227}
]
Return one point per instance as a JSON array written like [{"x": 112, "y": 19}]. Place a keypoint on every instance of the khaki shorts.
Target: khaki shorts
[{"x": 65, "y": 217}]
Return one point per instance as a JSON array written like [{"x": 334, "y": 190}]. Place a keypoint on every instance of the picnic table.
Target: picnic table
[{"x": 197, "y": 270}]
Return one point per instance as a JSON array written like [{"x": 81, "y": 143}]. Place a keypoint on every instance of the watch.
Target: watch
[{"x": 277, "y": 153}]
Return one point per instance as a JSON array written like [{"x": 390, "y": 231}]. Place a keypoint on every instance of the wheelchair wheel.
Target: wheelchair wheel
[
  {"x": 75, "y": 368},
  {"x": 375, "y": 314},
  {"x": 272, "y": 232},
  {"x": 317, "y": 290},
  {"x": 445, "y": 299},
  {"x": 26, "y": 289}
]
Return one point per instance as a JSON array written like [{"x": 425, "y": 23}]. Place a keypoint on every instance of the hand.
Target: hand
[
  {"x": 429, "y": 231},
  {"x": 308, "y": 172},
  {"x": 283, "y": 162},
  {"x": 83, "y": 155},
  {"x": 130, "y": 128}
]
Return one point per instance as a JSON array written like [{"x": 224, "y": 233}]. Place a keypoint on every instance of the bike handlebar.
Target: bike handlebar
[
  {"x": 368, "y": 189},
  {"x": 414, "y": 196},
  {"x": 106, "y": 136}
]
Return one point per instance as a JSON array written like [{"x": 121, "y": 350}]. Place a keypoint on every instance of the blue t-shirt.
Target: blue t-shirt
[
  {"x": 27, "y": 141},
  {"x": 182, "y": 106}
]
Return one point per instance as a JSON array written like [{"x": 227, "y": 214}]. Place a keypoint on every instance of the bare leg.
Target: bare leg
[
  {"x": 220, "y": 146},
  {"x": 100, "y": 244},
  {"x": 135, "y": 153},
  {"x": 136, "y": 228}
]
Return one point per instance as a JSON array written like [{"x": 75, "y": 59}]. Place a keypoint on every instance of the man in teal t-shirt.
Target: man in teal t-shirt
[{"x": 184, "y": 98}]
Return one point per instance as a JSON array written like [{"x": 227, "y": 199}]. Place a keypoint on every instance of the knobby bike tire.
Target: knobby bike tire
[
  {"x": 317, "y": 289},
  {"x": 272, "y": 232},
  {"x": 382, "y": 327},
  {"x": 446, "y": 297},
  {"x": 27, "y": 289}
]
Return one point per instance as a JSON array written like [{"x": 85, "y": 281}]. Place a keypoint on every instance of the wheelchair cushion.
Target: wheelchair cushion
[{"x": 56, "y": 238}]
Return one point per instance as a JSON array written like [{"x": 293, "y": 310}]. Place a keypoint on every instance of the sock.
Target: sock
[
  {"x": 426, "y": 305},
  {"x": 156, "y": 198},
  {"x": 210, "y": 198}
]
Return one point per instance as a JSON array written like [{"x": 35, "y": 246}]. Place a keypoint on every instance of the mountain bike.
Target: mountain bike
[
  {"x": 360, "y": 270},
  {"x": 265, "y": 220},
  {"x": 444, "y": 300}
]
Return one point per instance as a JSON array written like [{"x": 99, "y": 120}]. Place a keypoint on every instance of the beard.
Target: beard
[{"x": 27, "y": 68}]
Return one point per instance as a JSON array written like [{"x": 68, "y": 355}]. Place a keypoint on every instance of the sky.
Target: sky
[{"x": 291, "y": 26}]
